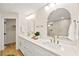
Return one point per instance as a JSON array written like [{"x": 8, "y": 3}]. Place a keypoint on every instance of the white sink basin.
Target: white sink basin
[{"x": 66, "y": 47}]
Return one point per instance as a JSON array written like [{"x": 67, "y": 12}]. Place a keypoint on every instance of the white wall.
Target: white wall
[
  {"x": 42, "y": 15},
  {"x": 1, "y": 33}
]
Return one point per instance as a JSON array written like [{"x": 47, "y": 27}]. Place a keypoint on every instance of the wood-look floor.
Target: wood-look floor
[{"x": 10, "y": 50}]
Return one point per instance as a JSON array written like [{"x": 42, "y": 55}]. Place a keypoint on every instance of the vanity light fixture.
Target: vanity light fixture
[
  {"x": 46, "y": 7},
  {"x": 49, "y": 25},
  {"x": 52, "y": 4},
  {"x": 31, "y": 16}
]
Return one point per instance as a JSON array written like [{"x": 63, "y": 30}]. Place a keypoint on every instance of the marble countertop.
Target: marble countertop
[{"x": 65, "y": 48}]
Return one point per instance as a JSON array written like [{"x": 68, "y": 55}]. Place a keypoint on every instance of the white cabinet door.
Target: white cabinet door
[
  {"x": 37, "y": 50},
  {"x": 30, "y": 49},
  {"x": 21, "y": 45}
]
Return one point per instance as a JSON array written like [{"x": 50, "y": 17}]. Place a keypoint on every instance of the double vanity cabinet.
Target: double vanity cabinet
[
  {"x": 29, "y": 48},
  {"x": 43, "y": 47}
]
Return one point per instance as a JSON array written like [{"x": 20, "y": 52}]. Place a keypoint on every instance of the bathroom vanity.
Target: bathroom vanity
[
  {"x": 31, "y": 47},
  {"x": 43, "y": 47}
]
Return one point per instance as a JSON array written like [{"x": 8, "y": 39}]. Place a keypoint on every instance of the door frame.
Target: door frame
[
  {"x": 16, "y": 28},
  {"x": 5, "y": 28}
]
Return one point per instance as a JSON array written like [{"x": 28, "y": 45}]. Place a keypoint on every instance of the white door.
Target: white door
[{"x": 9, "y": 31}]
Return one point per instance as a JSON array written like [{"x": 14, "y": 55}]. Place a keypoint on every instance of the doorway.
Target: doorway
[{"x": 9, "y": 37}]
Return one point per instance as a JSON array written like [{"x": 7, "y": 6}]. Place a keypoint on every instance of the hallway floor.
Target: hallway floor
[{"x": 10, "y": 50}]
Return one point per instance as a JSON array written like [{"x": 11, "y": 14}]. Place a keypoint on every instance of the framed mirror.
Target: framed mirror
[{"x": 58, "y": 22}]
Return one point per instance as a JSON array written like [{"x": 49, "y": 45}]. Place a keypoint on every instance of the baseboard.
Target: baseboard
[{"x": 20, "y": 52}]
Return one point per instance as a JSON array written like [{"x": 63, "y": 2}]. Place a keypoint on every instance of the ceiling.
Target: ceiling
[{"x": 20, "y": 7}]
